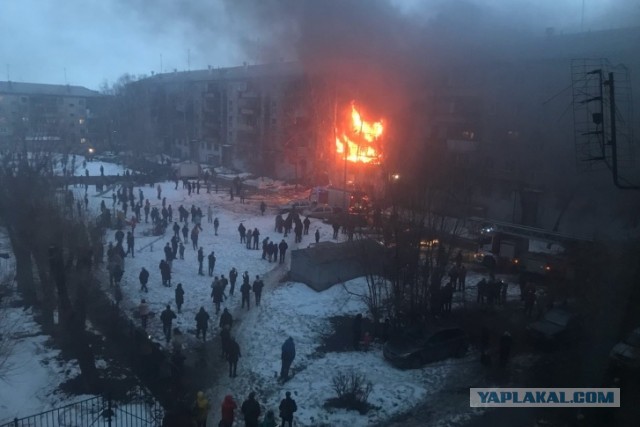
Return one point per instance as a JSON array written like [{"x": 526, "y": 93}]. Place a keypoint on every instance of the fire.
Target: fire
[{"x": 359, "y": 139}]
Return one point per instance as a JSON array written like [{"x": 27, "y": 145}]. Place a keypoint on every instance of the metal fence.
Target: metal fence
[{"x": 139, "y": 411}]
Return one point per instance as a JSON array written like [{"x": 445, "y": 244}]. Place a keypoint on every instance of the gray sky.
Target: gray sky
[{"x": 98, "y": 40}]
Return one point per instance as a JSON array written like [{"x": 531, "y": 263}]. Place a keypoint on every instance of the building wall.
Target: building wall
[{"x": 45, "y": 116}]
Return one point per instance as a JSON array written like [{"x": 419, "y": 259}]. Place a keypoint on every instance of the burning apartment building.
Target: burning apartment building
[{"x": 253, "y": 118}]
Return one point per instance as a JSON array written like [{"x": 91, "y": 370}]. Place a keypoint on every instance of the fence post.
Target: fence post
[{"x": 15, "y": 422}]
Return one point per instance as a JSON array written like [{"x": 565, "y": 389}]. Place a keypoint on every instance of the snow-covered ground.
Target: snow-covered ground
[{"x": 287, "y": 309}]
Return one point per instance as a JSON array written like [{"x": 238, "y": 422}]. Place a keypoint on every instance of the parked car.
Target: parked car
[
  {"x": 626, "y": 354},
  {"x": 299, "y": 205},
  {"x": 557, "y": 325},
  {"x": 417, "y": 347},
  {"x": 321, "y": 212}
]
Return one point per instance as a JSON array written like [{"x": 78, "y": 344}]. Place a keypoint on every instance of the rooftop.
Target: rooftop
[{"x": 18, "y": 88}]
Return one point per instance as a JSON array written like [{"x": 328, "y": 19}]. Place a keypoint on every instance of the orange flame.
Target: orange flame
[{"x": 358, "y": 141}]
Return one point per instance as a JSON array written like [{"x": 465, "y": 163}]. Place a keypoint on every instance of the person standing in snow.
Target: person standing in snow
[
  {"x": 233, "y": 354},
  {"x": 144, "y": 278},
  {"x": 167, "y": 317},
  {"x": 287, "y": 408},
  {"x": 251, "y": 411},
  {"x": 226, "y": 319},
  {"x": 217, "y": 293},
  {"x": 202, "y": 323},
  {"x": 257, "y": 289},
  {"x": 209, "y": 214},
  {"x": 201, "y": 409},
  {"x": 245, "y": 290},
  {"x": 287, "y": 356},
  {"x": 200, "y": 261},
  {"x": 306, "y": 223},
  {"x": 185, "y": 232},
  {"x": 227, "y": 411},
  {"x": 256, "y": 238},
  {"x": 216, "y": 224},
  {"x": 159, "y": 189},
  {"x": 283, "y": 250},
  {"x": 243, "y": 233},
  {"x": 263, "y": 207},
  {"x": 211, "y": 259},
  {"x": 317, "y": 235},
  {"x": 233, "y": 276},
  {"x": 181, "y": 250},
  {"x": 194, "y": 236},
  {"x": 179, "y": 295}
]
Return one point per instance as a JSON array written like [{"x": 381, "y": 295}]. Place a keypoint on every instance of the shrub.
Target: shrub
[{"x": 353, "y": 390}]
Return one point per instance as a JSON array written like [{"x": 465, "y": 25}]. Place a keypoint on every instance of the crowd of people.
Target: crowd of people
[
  {"x": 250, "y": 410},
  {"x": 187, "y": 226}
]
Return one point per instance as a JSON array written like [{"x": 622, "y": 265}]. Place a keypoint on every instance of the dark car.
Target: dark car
[
  {"x": 418, "y": 347},
  {"x": 626, "y": 354},
  {"x": 557, "y": 325}
]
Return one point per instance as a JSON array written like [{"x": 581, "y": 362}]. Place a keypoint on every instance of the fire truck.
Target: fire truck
[{"x": 351, "y": 201}]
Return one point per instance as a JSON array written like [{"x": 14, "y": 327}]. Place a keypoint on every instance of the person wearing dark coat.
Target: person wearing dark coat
[
  {"x": 287, "y": 356},
  {"x": 179, "y": 294},
  {"x": 245, "y": 290},
  {"x": 144, "y": 278},
  {"x": 258, "y": 284},
  {"x": 185, "y": 232},
  {"x": 263, "y": 207},
  {"x": 233, "y": 354},
  {"x": 167, "y": 317},
  {"x": 243, "y": 233},
  {"x": 168, "y": 252},
  {"x": 200, "y": 260},
  {"x": 216, "y": 224},
  {"x": 226, "y": 319},
  {"x": 306, "y": 223},
  {"x": 283, "y": 250},
  {"x": 233, "y": 276},
  {"x": 217, "y": 293},
  {"x": 317, "y": 235},
  {"x": 251, "y": 410},
  {"x": 165, "y": 272},
  {"x": 130, "y": 244},
  {"x": 202, "y": 323},
  {"x": 287, "y": 408},
  {"x": 176, "y": 230},
  {"x": 212, "y": 262},
  {"x": 256, "y": 238},
  {"x": 265, "y": 247},
  {"x": 181, "y": 250}
]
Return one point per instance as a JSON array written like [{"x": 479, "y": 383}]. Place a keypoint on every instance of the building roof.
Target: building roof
[
  {"x": 19, "y": 88},
  {"x": 275, "y": 69}
]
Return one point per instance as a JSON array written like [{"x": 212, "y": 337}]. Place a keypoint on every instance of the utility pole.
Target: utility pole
[{"x": 614, "y": 140}]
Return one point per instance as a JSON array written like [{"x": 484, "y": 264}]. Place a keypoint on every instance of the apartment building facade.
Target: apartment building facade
[{"x": 44, "y": 116}]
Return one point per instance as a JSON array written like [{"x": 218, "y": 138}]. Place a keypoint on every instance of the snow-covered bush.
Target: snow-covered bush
[{"x": 353, "y": 390}]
